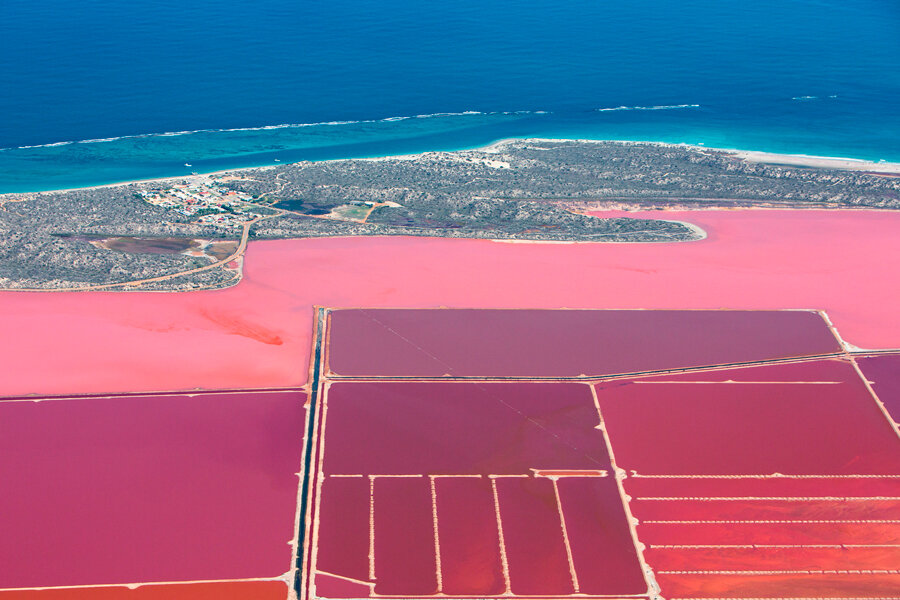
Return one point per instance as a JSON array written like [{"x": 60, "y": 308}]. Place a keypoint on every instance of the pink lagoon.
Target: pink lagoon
[{"x": 258, "y": 333}]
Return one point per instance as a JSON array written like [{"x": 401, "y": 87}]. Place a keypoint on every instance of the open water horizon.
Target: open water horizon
[{"x": 102, "y": 92}]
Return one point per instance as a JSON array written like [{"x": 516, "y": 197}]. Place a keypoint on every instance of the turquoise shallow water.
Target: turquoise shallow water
[{"x": 153, "y": 87}]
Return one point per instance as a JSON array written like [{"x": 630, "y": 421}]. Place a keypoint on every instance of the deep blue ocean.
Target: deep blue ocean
[{"x": 146, "y": 88}]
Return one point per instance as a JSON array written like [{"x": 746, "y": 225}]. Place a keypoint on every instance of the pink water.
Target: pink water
[
  {"x": 258, "y": 333},
  {"x": 405, "y": 562},
  {"x": 415, "y": 428},
  {"x": 785, "y": 487},
  {"x": 532, "y": 537},
  {"x": 468, "y": 535},
  {"x": 148, "y": 488},
  {"x": 884, "y": 373},
  {"x": 563, "y": 343},
  {"x": 603, "y": 552},
  {"x": 758, "y": 429},
  {"x": 343, "y": 540}
]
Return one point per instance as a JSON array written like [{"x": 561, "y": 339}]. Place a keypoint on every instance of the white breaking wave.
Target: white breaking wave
[
  {"x": 657, "y": 107},
  {"x": 467, "y": 113}
]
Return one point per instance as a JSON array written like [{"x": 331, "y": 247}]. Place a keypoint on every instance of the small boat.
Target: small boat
[
  {"x": 188, "y": 164},
  {"x": 277, "y": 160}
]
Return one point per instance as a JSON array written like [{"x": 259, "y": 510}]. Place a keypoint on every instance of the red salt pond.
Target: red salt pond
[
  {"x": 343, "y": 544},
  {"x": 532, "y": 534},
  {"x": 414, "y": 428},
  {"x": 769, "y": 533},
  {"x": 135, "y": 489},
  {"x": 436, "y": 487},
  {"x": 805, "y": 503},
  {"x": 743, "y": 481},
  {"x": 563, "y": 343},
  {"x": 258, "y": 333},
  {"x": 884, "y": 373},
  {"x": 784, "y": 558},
  {"x": 468, "y": 536},
  {"x": 640, "y": 487},
  {"x": 603, "y": 551},
  {"x": 757, "y": 509},
  {"x": 660, "y": 428},
  {"x": 405, "y": 562},
  {"x": 857, "y": 585}
]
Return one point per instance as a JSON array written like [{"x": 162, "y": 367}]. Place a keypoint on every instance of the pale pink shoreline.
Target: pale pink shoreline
[{"x": 258, "y": 333}]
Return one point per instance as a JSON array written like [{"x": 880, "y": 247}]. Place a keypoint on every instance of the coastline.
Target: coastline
[
  {"x": 749, "y": 156},
  {"x": 700, "y": 233},
  {"x": 825, "y": 162}
]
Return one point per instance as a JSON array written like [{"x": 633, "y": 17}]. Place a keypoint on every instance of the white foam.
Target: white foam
[
  {"x": 46, "y": 145},
  {"x": 467, "y": 113},
  {"x": 656, "y": 107},
  {"x": 807, "y": 98}
]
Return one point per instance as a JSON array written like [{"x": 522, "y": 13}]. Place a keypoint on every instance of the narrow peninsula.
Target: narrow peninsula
[{"x": 190, "y": 233}]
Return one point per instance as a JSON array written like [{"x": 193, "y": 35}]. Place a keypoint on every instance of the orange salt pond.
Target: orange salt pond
[{"x": 226, "y": 590}]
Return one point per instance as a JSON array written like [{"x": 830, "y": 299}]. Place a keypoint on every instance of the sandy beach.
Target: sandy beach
[
  {"x": 823, "y": 162},
  {"x": 797, "y": 160},
  {"x": 753, "y": 156}
]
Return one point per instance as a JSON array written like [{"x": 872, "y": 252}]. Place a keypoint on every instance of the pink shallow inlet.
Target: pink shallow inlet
[
  {"x": 134, "y": 489},
  {"x": 563, "y": 343},
  {"x": 750, "y": 428},
  {"x": 258, "y": 332},
  {"x": 460, "y": 428}
]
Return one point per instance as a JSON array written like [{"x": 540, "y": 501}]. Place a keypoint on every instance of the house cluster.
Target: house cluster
[{"x": 205, "y": 200}]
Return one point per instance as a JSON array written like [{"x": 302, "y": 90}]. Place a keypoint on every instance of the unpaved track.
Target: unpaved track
[{"x": 242, "y": 246}]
